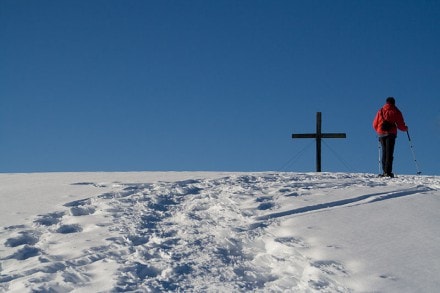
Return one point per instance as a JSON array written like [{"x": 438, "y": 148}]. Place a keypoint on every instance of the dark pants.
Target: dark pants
[{"x": 387, "y": 143}]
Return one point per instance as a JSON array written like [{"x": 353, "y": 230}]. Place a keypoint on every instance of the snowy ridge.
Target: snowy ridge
[{"x": 260, "y": 232}]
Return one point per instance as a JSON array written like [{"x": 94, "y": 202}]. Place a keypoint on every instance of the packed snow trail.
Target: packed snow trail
[{"x": 226, "y": 234}]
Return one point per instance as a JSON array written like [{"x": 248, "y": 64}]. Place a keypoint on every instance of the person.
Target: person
[{"x": 389, "y": 112}]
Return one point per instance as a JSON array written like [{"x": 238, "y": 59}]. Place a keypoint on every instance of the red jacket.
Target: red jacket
[{"x": 392, "y": 114}]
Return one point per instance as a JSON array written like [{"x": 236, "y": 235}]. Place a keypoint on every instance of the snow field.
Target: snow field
[{"x": 211, "y": 232}]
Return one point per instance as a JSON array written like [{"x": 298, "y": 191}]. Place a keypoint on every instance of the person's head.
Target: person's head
[{"x": 391, "y": 100}]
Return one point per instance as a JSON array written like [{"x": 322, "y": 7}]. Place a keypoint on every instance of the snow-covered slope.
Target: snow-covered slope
[{"x": 219, "y": 232}]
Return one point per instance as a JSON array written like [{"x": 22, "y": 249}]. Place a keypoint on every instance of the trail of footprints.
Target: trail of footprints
[
  {"x": 29, "y": 247},
  {"x": 133, "y": 224},
  {"x": 32, "y": 264}
]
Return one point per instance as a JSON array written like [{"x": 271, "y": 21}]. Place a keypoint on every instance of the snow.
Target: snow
[{"x": 219, "y": 232}]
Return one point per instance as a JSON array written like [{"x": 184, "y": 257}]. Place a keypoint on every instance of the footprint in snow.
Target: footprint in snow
[
  {"x": 78, "y": 203},
  {"x": 49, "y": 219},
  {"x": 330, "y": 267},
  {"x": 90, "y": 184},
  {"x": 287, "y": 192},
  {"x": 25, "y": 237},
  {"x": 335, "y": 246},
  {"x": 265, "y": 203},
  {"x": 322, "y": 276},
  {"x": 292, "y": 242},
  {"x": 67, "y": 229},
  {"x": 266, "y": 206},
  {"x": 136, "y": 240},
  {"x": 319, "y": 285},
  {"x": 81, "y": 207},
  {"x": 82, "y": 211},
  {"x": 388, "y": 277},
  {"x": 257, "y": 225},
  {"x": 264, "y": 198},
  {"x": 15, "y": 227},
  {"x": 24, "y": 253}
]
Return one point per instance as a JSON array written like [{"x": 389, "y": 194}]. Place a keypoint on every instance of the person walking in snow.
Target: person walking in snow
[{"x": 388, "y": 119}]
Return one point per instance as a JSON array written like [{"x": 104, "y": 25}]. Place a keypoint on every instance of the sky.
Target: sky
[{"x": 109, "y": 85}]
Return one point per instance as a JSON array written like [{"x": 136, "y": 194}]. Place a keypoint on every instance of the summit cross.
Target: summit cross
[{"x": 318, "y": 136}]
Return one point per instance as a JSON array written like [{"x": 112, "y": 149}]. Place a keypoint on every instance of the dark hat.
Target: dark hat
[{"x": 391, "y": 100}]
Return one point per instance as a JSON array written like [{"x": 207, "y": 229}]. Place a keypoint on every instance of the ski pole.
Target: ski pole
[
  {"x": 380, "y": 160},
  {"x": 414, "y": 155}
]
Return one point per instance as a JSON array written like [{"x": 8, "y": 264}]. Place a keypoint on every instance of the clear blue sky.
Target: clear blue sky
[{"x": 214, "y": 85}]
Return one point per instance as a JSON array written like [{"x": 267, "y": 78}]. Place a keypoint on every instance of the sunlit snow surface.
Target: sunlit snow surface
[{"x": 219, "y": 232}]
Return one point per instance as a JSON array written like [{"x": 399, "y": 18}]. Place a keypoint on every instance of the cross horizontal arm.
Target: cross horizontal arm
[
  {"x": 305, "y": 135},
  {"x": 323, "y": 135},
  {"x": 333, "y": 135}
]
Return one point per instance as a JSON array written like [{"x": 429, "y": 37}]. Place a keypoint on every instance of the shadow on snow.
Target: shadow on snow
[{"x": 363, "y": 199}]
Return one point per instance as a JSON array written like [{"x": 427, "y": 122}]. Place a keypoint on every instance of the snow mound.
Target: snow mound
[{"x": 259, "y": 232}]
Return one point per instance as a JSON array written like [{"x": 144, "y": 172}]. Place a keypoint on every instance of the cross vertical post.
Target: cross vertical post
[
  {"x": 318, "y": 136},
  {"x": 318, "y": 141}
]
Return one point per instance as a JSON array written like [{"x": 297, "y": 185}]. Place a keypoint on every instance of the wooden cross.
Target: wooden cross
[{"x": 318, "y": 136}]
